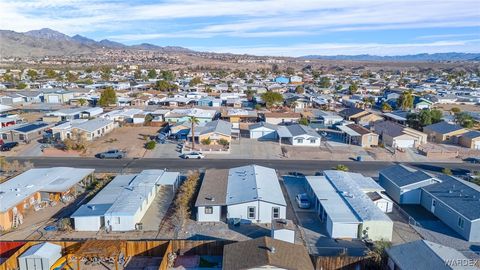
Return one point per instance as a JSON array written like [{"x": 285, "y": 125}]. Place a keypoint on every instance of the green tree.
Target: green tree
[
  {"x": 299, "y": 89},
  {"x": 152, "y": 74},
  {"x": 107, "y": 97},
  {"x": 22, "y": 85},
  {"x": 167, "y": 75},
  {"x": 290, "y": 71},
  {"x": 352, "y": 89},
  {"x": 324, "y": 82},
  {"x": 303, "y": 121},
  {"x": 272, "y": 98},
  {"x": 386, "y": 107},
  {"x": 436, "y": 116},
  {"x": 405, "y": 101},
  {"x": 71, "y": 77},
  {"x": 193, "y": 121},
  {"x": 33, "y": 74},
  {"x": 338, "y": 87},
  {"x": 455, "y": 110},
  {"x": 195, "y": 81},
  {"x": 464, "y": 119},
  {"x": 50, "y": 73},
  {"x": 82, "y": 102},
  {"x": 148, "y": 118},
  {"x": 105, "y": 73}
]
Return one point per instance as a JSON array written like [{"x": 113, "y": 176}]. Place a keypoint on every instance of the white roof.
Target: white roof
[
  {"x": 349, "y": 187},
  {"x": 126, "y": 193},
  {"x": 252, "y": 183},
  {"x": 200, "y": 113},
  {"x": 337, "y": 209},
  {"x": 56, "y": 179},
  {"x": 5, "y": 108},
  {"x": 93, "y": 125},
  {"x": 348, "y": 130},
  {"x": 44, "y": 250},
  {"x": 122, "y": 113}
]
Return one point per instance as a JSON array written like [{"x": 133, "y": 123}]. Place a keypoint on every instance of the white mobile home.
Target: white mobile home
[
  {"x": 248, "y": 194},
  {"x": 121, "y": 205}
]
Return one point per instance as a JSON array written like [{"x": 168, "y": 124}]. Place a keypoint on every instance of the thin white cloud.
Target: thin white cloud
[
  {"x": 382, "y": 49},
  {"x": 447, "y": 36}
]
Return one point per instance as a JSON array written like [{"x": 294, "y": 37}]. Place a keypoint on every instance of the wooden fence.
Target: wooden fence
[
  {"x": 341, "y": 262},
  {"x": 164, "y": 263}
]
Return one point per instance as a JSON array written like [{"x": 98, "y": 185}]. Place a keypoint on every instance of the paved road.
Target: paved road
[{"x": 283, "y": 165}]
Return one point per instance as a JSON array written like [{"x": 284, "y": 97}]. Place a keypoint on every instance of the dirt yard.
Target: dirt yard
[
  {"x": 130, "y": 139},
  {"x": 463, "y": 107}
]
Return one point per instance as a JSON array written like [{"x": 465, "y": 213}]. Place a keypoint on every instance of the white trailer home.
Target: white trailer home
[
  {"x": 248, "y": 194},
  {"x": 121, "y": 205}
]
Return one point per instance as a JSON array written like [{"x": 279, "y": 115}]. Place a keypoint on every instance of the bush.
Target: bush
[
  {"x": 341, "y": 167},
  {"x": 150, "y": 145},
  {"x": 223, "y": 142},
  {"x": 206, "y": 141},
  {"x": 447, "y": 171}
]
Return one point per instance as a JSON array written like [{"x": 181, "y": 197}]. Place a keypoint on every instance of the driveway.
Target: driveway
[
  {"x": 314, "y": 231},
  {"x": 168, "y": 150}
]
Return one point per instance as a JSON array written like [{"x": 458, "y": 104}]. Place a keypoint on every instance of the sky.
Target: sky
[{"x": 262, "y": 27}]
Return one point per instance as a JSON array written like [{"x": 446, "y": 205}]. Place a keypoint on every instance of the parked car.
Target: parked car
[
  {"x": 118, "y": 154},
  {"x": 296, "y": 174},
  {"x": 302, "y": 201},
  {"x": 8, "y": 146},
  {"x": 196, "y": 155}
]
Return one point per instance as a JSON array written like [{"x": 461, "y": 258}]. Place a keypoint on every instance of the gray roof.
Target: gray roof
[
  {"x": 217, "y": 126},
  {"x": 389, "y": 128},
  {"x": 347, "y": 185},
  {"x": 56, "y": 179},
  {"x": 422, "y": 254},
  {"x": 402, "y": 175},
  {"x": 350, "y": 112},
  {"x": 461, "y": 197},
  {"x": 297, "y": 130},
  {"x": 214, "y": 188},
  {"x": 471, "y": 134},
  {"x": 251, "y": 183},
  {"x": 443, "y": 127}
]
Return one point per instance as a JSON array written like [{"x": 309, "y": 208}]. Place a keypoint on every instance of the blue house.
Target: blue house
[{"x": 282, "y": 79}]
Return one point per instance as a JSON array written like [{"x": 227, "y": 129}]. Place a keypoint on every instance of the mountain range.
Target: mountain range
[
  {"x": 48, "y": 42},
  {"x": 422, "y": 57}
]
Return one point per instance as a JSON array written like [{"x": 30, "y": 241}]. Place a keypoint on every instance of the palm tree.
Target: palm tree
[
  {"x": 82, "y": 102},
  {"x": 194, "y": 121}
]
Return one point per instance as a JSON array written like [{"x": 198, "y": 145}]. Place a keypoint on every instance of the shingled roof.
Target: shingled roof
[{"x": 265, "y": 251}]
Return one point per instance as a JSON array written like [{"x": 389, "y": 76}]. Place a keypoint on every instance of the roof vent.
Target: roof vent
[
  {"x": 92, "y": 207},
  {"x": 272, "y": 249},
  {"x": 210, "y": 198}
]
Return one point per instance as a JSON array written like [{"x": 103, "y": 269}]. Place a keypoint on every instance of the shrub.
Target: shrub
[
  {"x": 447, "y": 171},
  {"x": 206, "y": 141},
  {"x": 223, "y": 142},
  {"x": 341, "y": 167},
  {"x": 150, "y": 145}
]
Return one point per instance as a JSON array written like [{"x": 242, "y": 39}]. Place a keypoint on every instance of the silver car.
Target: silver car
[
  {"x": 117, "y": 154},
  {"x": 302, "y": 201}
]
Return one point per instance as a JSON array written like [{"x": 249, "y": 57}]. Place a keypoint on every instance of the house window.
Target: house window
[
  {"x": 300, "y": 140},
  {"x": 313, "y": 140},
  {"x": 251, "y": 212},
  {"x": 4, "y": 136},
  {"x": 460, "y": 222},
  {"x": 276, "y": 212},
  {"x": 117, "y": 220},
  {"x": 208, "y": 210}
]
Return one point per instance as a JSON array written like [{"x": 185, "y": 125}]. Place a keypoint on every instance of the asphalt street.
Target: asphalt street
[{"x": 282, "y": 165}]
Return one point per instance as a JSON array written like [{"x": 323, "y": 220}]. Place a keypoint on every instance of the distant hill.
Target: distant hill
[
  {"x": 452, "y": 56},
  {"x": 48, "y": 42}
]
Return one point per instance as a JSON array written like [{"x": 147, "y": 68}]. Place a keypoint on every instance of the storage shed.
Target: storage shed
[{"x": 40, "y": 257}]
